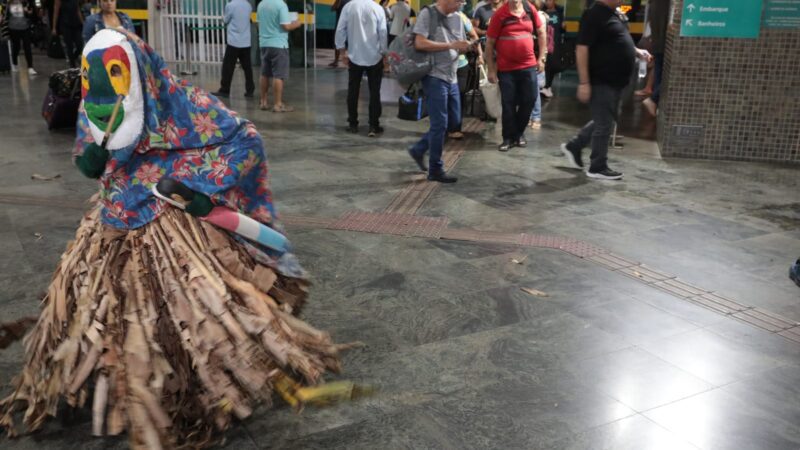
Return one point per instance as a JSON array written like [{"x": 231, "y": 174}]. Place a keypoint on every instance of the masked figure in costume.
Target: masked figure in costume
[{"x": 169, "y": 324}]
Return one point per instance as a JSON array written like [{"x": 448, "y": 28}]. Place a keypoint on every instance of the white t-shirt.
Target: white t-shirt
[{"x": 400, "y": 13}]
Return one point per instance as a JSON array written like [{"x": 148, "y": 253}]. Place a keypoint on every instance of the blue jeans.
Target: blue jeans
[
  {"x": 444, "y": 105},
  {"x": 536, "y": 114},
  {"x": 516, "y": 92}
]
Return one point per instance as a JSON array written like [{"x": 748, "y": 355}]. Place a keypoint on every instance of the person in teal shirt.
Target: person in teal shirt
[{"x": 274, "y": 26}]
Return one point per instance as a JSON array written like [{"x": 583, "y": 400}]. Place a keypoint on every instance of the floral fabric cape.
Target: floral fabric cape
[{"x": 190, "y": 136}]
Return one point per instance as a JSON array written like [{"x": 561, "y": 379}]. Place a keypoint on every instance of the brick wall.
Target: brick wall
[{"x": 735, "y": 99}]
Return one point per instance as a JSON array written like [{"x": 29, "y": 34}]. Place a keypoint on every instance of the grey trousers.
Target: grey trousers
[{"x": 603, "y": 104}]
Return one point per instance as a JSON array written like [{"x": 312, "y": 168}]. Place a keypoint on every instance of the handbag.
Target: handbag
[
  {"x": 411, "y": 105},
  {"x": 491, "y": 95},
  {"x": 55, "y": 49}
]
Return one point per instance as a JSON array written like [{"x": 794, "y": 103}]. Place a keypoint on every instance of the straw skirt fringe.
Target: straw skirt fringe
[{"x": 170, "y": 330}]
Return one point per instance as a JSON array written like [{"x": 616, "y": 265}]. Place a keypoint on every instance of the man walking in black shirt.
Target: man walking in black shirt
[{"x": 605, "y": 56}]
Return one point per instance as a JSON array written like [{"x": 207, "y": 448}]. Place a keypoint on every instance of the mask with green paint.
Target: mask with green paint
[{"x": 109, "y": 70}]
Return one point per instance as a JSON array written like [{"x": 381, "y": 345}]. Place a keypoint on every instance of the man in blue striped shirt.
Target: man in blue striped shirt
[
  {"x": 362, "y": 29},
  {"x": 237, "y": 22}
]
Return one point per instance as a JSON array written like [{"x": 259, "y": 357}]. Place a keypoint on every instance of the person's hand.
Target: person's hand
[
  {"x": 54, "y": 32},
  {"x": 540, "y": 66},
  {"x": 644, "y": 55},
  {"x": 584, "y": 92},
  {"x": 479, "y": 60},
  {"x": 492, "y": 76},
  {"x": 461, "y": 46}
]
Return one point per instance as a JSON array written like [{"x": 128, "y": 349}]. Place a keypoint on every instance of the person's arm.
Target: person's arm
[
  {"x": 284, "y": 19},
  {"x": 587, "y": 36},
  {"x": 582, "y": 63},
  {"x": 542, "y": 32},
  {"x": 424, "y": 44},
  {"x": 340, "y": 37},
  {"x": 88, "y": 30},
  {"x": 56, "y": 12},
  {"x": 492, "y": 33},
  {"x": 383, "y": 34},
  {"x": 490, "y": 62},
  {"x": 228, "y": 15},
  {"x": 292, "y": 25},
  {"x": 474, "y": 37},
  {"x": 127, "y": 23}
]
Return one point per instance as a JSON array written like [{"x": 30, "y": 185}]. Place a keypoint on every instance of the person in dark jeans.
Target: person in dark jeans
[
  {"x": 510, "y": 35},
  {"x": 68, "y": 24},
  {"x": 237, "y": 24},
  {"x": 605, "y": 55},
  {"x": 19, "y": 15},
  {"x": 441, "y": 84},
  {"x": 555, "y": 14},
  {"x": 362, "y": 29},
  {"x": 658, "y": 18}
]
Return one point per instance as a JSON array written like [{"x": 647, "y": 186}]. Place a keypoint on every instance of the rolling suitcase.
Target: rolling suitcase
[
  {"x": 60, "y": 112},
  {"x": 60, "y": 105}
]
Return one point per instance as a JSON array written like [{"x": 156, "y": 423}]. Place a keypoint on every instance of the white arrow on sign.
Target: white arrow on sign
[
  {"x": 691, "y": 7},
  {"x": 689, "y": 23}
]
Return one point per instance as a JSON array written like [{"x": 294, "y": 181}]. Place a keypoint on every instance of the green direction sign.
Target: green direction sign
[
  {"x": 782, "y": 14},
  {"x": 721, "y": 18}
]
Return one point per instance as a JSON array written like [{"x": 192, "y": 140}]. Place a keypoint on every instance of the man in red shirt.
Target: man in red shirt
[{"x": 510, "y": 35}]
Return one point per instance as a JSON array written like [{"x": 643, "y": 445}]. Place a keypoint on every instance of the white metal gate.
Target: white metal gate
[{"x": 192, "y": 31}]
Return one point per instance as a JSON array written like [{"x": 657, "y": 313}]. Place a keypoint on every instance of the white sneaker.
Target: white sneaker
[
  {"x": 547, "y": 92},
  {"x": 605, "y": 174},
  {"x": 31, "y": 72}
]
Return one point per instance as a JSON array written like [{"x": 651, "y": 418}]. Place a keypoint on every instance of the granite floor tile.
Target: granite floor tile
[
  {"x": 710, "y": 356},
  {"x": 718, "y": 419},
  {"x": 631, "y": 433},
  {"x": 638, "y": 379},
  {"x": 636, "y": 321}
]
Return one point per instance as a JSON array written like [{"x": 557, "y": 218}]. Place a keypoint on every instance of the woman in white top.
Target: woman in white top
[{"x": 399, "y": 13}]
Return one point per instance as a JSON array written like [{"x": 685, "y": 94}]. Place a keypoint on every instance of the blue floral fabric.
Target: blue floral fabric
[{"x": 188, "y": 135}]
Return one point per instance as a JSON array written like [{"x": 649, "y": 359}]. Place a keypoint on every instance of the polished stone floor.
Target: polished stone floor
[{"x": 462, "y": 357}]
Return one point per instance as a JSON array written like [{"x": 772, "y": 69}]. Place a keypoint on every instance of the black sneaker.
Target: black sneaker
[
  {"x": 521, "y": 142},
  {"x": 420, "y": 160},
  {"x": 221, "y": 94},
  {"x": 374, "y": 131},
  {"x": 248, "y": 95},
  {"x": 605, "y": 174},
  {"x": 442, "y": 178},
  {"x": 352, "y": 129},
  {"x": 504, "y": 146},
  {"x": 573, "y": 158}
]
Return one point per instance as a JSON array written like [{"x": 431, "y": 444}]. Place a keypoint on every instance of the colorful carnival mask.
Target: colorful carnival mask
[{"x": 109, "y": 69}]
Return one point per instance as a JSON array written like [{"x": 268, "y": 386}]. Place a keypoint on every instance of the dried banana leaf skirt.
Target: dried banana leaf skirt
[{"x": 167, "y": 331}]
